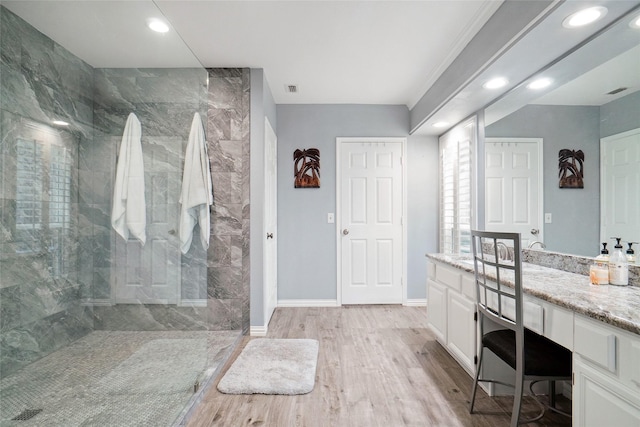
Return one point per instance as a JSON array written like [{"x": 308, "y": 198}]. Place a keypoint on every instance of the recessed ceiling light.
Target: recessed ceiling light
[
  {"x": 635, "y": 23},
  {"x": 496, "y": 83},
  {"x": 60, "y": 123},
  {"x": 539, "y": 83},
  {"x": 440, "y": 124},
  {"x": 157, "y": 25},
  {"x": 584, "y": 17}
]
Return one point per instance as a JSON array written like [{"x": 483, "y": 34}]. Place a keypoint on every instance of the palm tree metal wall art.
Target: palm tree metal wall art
[
  {"x": 570, "y": 168},
  {"x": 306, "y": 168}
]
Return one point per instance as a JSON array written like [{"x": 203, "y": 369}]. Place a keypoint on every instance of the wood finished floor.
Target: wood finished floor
[{"x": 377, "y": 366}]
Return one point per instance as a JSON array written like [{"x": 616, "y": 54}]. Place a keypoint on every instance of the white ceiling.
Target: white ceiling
[{"x": 357, "y": 52}]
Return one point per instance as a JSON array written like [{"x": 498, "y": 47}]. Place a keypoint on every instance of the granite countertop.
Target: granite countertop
[{"x": 616, "y": 305}]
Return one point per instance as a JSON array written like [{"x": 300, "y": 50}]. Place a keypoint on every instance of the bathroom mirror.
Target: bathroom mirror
[{"x": 594, "y": 94}]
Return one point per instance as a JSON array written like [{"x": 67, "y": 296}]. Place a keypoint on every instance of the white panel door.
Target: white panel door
[
  {"x": 513, "y": 189},
  {"x": 270, "y": 223},
  {"x": 620, "y": 186},
  {"x": 371, "y": 222},
  {"x": 151, "y": 274}
]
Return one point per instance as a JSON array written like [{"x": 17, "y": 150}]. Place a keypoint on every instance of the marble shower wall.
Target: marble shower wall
[
  {"x": 40, "y": 302},
  {"x": 164, "y": 100},
  {"x": 228, "y": 131}
]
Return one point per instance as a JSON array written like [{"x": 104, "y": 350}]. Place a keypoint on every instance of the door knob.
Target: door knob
[
  {"x": 269, "y": 235},
  {"x": 345, "y": 231},
  {"x": 535, "y": 231}
]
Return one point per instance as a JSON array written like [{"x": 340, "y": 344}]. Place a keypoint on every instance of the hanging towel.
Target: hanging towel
[
  {"x": 196, "y": 195},
  {"x": 128, "y": 214}
]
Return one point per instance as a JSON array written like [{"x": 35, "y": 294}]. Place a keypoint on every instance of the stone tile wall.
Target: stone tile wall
[{"x": 228, "y": 131}]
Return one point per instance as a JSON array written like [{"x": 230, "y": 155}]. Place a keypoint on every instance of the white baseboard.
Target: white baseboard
[
  {"x": 258, "y": 331},
  {"x": 416, "y": 302},
  {"x": 308, "y": 303}
]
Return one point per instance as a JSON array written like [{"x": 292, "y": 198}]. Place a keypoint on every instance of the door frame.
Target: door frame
[
  {"x": 338, "y": 225},
  {"x": 540, "y": 151}
]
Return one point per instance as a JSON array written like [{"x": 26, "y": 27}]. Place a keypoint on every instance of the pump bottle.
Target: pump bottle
[
  {"x": 618, "y": 266},
  {"x": 631, "y": 256},
  {"x": 599, "y": 271}
]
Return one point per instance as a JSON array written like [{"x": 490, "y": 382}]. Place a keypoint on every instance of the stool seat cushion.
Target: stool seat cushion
[{"x": 542, "y": 357}]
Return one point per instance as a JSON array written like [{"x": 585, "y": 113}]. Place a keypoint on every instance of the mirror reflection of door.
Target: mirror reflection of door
[
  {"x": 620, "y": 184},
  {"x": 513, "y": 187},
  {"x": 150, "y": 274}
]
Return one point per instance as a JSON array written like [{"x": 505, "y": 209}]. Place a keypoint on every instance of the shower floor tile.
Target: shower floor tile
[{"x": 115, "y": 378}]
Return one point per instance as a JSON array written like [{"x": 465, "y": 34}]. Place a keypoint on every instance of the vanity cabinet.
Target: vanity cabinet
[
  {"x": 606, "y": 359},
  {"x": 606, "y": 369},
  {"x": 450, "y": 312}
]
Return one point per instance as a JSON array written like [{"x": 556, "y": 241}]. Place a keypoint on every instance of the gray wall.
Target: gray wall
[
  {"x": 620, "y": 115},
  {"x": 307, "y": 243},
  {"x": 576, "y": 212},
  {"x": 422, "y": 197}
]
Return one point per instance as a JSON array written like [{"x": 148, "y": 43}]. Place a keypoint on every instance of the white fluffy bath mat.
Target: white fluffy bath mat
[{"x": 273, "y": 366}]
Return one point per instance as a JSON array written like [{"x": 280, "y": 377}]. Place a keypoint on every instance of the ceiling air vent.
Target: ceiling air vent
[
  {"x": 291, "y": 88},
  {"x": 620, "y": 89}
]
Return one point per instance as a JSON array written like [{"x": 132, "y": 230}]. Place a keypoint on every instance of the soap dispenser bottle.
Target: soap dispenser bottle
[
  {"x": 599, "y": 271},
  {"x": 631, "y": 256},
  {"x": 618, "y": 266},
  {"x": 603, "y": 258}
]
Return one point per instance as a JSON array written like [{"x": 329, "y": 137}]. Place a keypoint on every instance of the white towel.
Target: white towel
[
  {"x": 128, "y": 214},
  {"x": 196, "y": 195}
]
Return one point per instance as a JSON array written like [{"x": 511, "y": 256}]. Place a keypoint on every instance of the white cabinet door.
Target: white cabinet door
[
  {"x": 461, "y": 329},
  {"x": 437, "y": 310},
  {"x": 599, "y": 401}
]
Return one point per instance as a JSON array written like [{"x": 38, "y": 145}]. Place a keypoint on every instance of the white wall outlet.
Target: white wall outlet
[
  {"x": 547, "y": 218},
  {"x": 330, "y": 218}
]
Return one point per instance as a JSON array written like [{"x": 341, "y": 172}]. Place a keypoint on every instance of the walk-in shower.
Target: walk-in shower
[{"x": 96, "y": 329}]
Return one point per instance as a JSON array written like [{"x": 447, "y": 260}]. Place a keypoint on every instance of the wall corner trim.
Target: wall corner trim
[{"x": 258, "y": 331}]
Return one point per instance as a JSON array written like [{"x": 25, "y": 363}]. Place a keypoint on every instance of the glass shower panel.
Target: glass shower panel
[{"x": 95, "y": 329}]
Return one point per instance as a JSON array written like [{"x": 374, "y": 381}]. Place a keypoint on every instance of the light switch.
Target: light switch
[
  {"x": 547, "y": 218},
  {"x": 330, "y": 218}
]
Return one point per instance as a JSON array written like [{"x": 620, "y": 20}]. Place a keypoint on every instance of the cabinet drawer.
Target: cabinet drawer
[
  {"x": 558, "y": 325},
  {"x": 596, "y": 342},
  {"x": 431, "y": 270},
  {"x": 629, "y": 361},
  {"x": 469, "y": 286},
  {"x": 533, "y": 316},
  {"x": 448, "y": 276}
]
